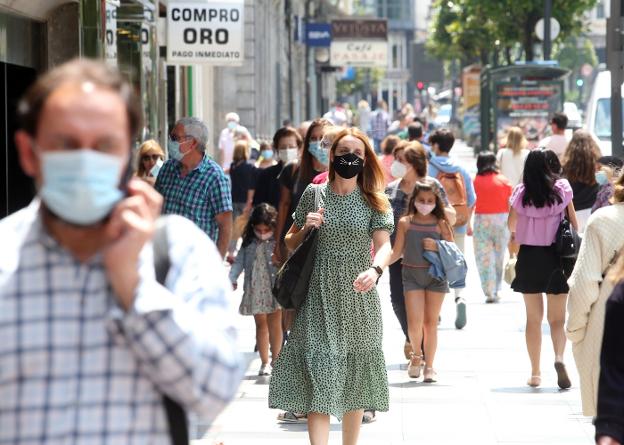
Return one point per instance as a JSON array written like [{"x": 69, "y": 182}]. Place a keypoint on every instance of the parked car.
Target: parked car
[
  {"x": 443, "y": 117},
  {"x": 598, "y": 114}
]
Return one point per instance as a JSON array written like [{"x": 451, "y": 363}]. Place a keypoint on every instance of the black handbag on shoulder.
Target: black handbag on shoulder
[
  {"x": 567, "y": 240},
  {"x": 292, "y": 281}
]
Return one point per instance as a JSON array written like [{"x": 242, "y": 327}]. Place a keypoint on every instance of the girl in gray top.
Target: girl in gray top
[{"x": 424, "y": 223}]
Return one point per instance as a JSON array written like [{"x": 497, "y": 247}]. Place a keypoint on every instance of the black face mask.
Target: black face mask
[{"x": 349, "y": 165}]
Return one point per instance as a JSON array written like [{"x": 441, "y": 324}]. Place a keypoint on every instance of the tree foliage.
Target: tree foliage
[{"x": 473, "y": 29}]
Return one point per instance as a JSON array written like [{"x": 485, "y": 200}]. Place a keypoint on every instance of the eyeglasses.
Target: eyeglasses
[
  {"x": 154, "y": 158},
  {"x": 179, "y": 139}
]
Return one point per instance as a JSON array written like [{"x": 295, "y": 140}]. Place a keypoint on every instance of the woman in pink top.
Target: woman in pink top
[{"x": 537, "y": 206}]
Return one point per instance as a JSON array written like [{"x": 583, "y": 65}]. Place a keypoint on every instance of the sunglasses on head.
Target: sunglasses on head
[{"x": 150, "y": 158}]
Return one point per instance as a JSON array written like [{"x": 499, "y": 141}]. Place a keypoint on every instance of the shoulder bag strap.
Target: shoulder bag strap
[{"x": 176, "y": 416}]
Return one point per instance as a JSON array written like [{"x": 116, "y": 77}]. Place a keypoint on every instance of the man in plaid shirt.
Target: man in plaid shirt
[
  {"x": 379, "y": 124},
  {"x": 89, "y": 340},
  {"x": 195, "y": 186}
]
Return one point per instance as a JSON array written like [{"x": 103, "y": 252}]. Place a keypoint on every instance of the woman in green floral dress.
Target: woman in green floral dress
[{"x": 333, "y": 363}]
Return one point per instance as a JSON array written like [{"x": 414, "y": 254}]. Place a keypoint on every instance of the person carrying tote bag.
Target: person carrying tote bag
[{"x": 334, "y": 349}]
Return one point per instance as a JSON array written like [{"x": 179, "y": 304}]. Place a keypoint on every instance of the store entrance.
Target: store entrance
[{"x": 16, "y": 189}]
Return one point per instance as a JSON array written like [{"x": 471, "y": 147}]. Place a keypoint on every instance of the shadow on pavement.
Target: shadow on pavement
[{"x": 527, "y": 390}]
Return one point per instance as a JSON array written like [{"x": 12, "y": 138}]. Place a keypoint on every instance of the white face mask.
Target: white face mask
[
  {"x": 424, "y": 209},
  {"x": 263, "y": 236},
  {"x": 398, "y": 169},
  {"x": 289, "y": 154}
]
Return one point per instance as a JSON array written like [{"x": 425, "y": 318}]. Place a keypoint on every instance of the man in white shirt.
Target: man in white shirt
[
  {"x": 227, "y": 139},
  {"x": 558, "y": 142},
  {"x": 94, "y": 334}
]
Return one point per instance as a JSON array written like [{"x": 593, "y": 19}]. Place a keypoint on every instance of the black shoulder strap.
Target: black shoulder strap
[{"x": 176, "y": 417}]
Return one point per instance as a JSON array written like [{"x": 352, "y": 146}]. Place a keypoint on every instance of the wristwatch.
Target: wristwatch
[{"x": 379, "y": 271}]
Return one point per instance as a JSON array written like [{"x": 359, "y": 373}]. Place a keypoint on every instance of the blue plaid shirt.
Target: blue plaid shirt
[
  {"x": 199, "y": 196},
  {"x": 76, "y": 368}
]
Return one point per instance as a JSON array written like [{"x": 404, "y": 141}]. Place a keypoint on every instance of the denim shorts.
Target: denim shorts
[{"x": 418, "y": 278}]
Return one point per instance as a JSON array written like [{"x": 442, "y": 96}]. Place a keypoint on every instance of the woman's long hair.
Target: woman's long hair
[
  {"x": 371, "y": 180},
  {"x": 553, "y": 162},
  {"x": 515, "y": 139},
  {"x": 427, "y": 185},
  {"x": 580, "y": 158},
  {"x": 149, "y": 146},
  {"x": 261, "y": 214},
  {"x": 306, "y": 170},
  {"x": 539, "y": 182}
]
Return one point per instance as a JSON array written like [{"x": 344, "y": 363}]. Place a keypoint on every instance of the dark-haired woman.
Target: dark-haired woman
[
  {"x": 580, "y": 163},
  {"x": 490, "y": 224},
  {"x": 286, "y": 146},
  {"x": 537, "y": 206},
  {"x": 254, "y": 259},
  {"x": 296, "y": 176}
]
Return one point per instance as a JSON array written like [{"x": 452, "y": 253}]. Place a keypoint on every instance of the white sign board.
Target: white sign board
[
  {"x": 208, "y": 32},
  {"x": 111, "y": 34},
  {"x": 363, "y": 53},
  {"x": 555, "y": 28}
]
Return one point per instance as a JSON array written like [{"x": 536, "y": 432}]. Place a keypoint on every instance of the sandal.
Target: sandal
[
  {"x": 413, "y": 368},
  {"x": 430, "y": 375},
  {"x": 562, "y": 376},
  {"x": 534, "y": 381},
  {"x": 407, "y": 350},
  {"x": 292, "y": 417},
  {"x": 369, "y": 416}
]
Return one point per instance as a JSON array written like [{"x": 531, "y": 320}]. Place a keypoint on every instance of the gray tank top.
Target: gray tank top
[{"x": 413, "y": 252}]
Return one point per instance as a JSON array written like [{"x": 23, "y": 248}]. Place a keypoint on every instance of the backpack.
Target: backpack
[
  {"x": 455, "y": 189},
  {"x": 176, "y": 415}
]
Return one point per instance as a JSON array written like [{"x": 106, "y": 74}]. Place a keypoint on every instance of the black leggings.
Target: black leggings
[{"x": 397, "y": 297}]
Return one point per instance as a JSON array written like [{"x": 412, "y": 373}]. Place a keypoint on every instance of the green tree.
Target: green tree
[
  {"x": 471, "y": 28},
  {"x": 366, "y": 80}
]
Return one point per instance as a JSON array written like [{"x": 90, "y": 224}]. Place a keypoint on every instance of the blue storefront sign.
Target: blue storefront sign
[{"x": 318, "y": 34}]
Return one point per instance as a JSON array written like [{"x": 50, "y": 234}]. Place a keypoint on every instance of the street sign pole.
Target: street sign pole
[
  {"x": 547, "y": 38},
  {"x": 615, "y": 61}
]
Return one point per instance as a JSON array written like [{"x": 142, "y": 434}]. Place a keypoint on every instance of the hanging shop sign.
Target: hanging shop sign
[
  {"x": 111, "y": 33},
  {"x": 318, "y": 35},
  {"x": 209, "y": 32},
  {"x": 359, "y": 43},
  {"x": 361, "y": 53}
]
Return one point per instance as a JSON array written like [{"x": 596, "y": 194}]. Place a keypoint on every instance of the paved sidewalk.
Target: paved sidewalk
[{"x": 481, "y": 396}]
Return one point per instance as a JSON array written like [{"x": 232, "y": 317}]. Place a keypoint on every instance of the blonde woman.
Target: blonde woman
[
  {"x": 604, "y": 237},
  {"x": 333, "y": 362},
  {"x": 511, "y": 159},
  {"x": 150, "y": 153}
]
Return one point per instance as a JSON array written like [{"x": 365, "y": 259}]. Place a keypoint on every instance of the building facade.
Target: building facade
[{"x": 36, "y": 35}]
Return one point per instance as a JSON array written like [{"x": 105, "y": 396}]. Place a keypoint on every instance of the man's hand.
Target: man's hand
[{"x": 131, "y": 225}]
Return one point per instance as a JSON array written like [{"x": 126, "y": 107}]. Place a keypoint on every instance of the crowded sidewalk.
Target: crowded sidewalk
[{"x": 481, "y": 395}]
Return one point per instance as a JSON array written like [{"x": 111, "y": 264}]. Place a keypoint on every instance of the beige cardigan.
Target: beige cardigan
[{"x": 603, "y": 237}]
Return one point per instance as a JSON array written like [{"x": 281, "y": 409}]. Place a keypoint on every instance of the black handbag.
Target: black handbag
[
  {"x": 292, "y": 281},
  {"x": 567, "y": 241}
]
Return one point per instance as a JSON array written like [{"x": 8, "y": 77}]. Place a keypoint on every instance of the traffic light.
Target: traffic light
[
  {"x": 420, "y": 85},
  {"x": 579, "y": 82}
]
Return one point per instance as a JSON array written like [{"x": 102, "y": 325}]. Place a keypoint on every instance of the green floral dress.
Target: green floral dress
[{"x": 333, "y": 361}]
